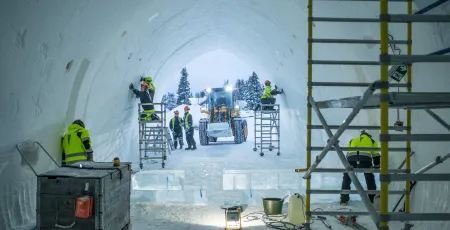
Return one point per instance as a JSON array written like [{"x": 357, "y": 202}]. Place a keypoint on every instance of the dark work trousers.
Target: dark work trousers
[
  {"x": 190, "y": 138},
  {"x": 370, "y": 180},
  {"x": 268, "y": 101},
  {"x": 178, "y": 137}
]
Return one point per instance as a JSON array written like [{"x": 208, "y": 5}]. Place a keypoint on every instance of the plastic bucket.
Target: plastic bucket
[{"x": 273, "y": 206}]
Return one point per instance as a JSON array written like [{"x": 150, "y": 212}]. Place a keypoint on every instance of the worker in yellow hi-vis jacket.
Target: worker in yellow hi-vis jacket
[
  {"x": 268, "y": 96},
  {"x": 361, "y": 159},
  {"x": 176, "y": 126},
  {"x": 77, "y": 144}
]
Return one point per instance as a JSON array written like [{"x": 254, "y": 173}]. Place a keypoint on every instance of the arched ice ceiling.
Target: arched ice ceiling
[{"x": 111, "y": 43}]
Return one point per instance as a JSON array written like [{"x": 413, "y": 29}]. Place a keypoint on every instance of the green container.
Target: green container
[{"x": 273, "y": 206}]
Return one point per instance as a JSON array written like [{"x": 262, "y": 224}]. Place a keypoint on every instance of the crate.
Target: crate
[{"x": 57, "y": 191}]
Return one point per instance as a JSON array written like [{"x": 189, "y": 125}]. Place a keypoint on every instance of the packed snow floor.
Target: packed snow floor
[
  {"x": 188, "y": 193},
  {"x": 209, "y": 217}
]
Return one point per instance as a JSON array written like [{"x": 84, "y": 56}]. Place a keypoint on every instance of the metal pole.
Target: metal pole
[
  {"x": 373, "y": 213},
  {"x": 384, "y": 116},
  {"x": 434, "y": 163},
  {"x": 141, "y": 134},
  {"x": 438, "y": 119},
  {"x": 254, "y": 129},
  {"x": 261, "y": 131},
  {"x": 431, "y": 165},
  {"x": 309, "y": 114},
  {"x": 430, "y": 7},
  {"x": 278, "y": 130},
  {"x": 408, "y": 119},
  {"x": 341, "y": 129},
  {"x": 404, "y": 161}
]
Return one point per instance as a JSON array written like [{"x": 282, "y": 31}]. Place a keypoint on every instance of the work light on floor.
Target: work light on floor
[{"x": 233, "y": 218}]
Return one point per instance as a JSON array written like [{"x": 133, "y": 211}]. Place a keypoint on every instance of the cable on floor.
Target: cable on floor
[{"x": 270, "y": 221}]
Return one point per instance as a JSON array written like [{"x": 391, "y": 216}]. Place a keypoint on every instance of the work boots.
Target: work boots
[
  {"x": 188, "y": 148},
  {"x": 194, "y": 148}
]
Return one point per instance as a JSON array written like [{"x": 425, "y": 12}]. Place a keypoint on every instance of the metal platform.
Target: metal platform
[{"x": 396, "y": 100}]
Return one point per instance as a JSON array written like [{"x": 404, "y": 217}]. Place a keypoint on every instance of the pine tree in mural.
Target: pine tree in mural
[
  {"x": 184, "y": 89},
  {"x": 254, "y": 91},
  {"x": 170, "y": 100}
]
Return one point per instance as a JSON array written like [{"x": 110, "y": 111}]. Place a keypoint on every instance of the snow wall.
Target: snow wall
[{"x": 63, "y": 60}]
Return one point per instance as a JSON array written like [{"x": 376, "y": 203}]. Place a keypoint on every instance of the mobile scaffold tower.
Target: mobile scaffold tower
[
  {"x": 383, "y": 101},
  {"x": 153, "y": 135},
  {"x": 267, "y": 128}
]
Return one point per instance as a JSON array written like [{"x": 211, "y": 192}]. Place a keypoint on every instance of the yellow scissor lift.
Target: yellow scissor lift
[{"x": 383, "y": 101}]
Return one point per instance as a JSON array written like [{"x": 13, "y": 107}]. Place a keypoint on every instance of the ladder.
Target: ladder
[
  {"x": 383, "y": 101},
  {"x": 153, "y": 136},
  {"x": 169, "y": 139},
  {"x": 267, "y": 128}
]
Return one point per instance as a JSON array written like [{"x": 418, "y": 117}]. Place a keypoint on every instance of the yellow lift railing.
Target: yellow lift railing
[{"x": 383, "y": 101}]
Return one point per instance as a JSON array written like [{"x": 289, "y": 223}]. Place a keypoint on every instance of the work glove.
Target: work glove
[
  {"x": 142, "y": 79},
  {"x": 131, "y": 87}
]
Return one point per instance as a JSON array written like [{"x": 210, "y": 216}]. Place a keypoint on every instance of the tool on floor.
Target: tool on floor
[
  {"x": 350, "y": 221},
  {"x": 324, "y": 221}
]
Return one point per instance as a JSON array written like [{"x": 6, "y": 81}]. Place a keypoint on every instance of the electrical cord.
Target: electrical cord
[
  {"x": 281, "y": 224},
  {"x": 321, "y": 218},
  {"x": 395, "y": 51},
  {"x": 393, "y": 47},
  {"x": 270, "y": 221}
]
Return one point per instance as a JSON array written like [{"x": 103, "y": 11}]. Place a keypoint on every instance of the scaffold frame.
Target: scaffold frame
[
  {"x": 152, "y": 135},
  {"x": 383, "y": 101},
  {"x": 267, "y": 129}
]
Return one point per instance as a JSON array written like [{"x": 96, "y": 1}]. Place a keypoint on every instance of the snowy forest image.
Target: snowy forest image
[{"x": 248, "y": 90}]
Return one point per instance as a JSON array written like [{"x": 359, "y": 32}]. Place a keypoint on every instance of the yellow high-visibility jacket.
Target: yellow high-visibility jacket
[
  {"x": 74, "y": 149},
  {"x": 267, "y": 92},
  {"x": 363, "y": 141},
  {"x": 188, "y": 121}
]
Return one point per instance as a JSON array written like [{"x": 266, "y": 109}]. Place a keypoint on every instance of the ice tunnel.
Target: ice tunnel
[{"x": 62, "y": 60}]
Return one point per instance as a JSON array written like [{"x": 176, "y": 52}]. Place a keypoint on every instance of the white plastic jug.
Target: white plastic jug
[{"x": 296, "y": 210}]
